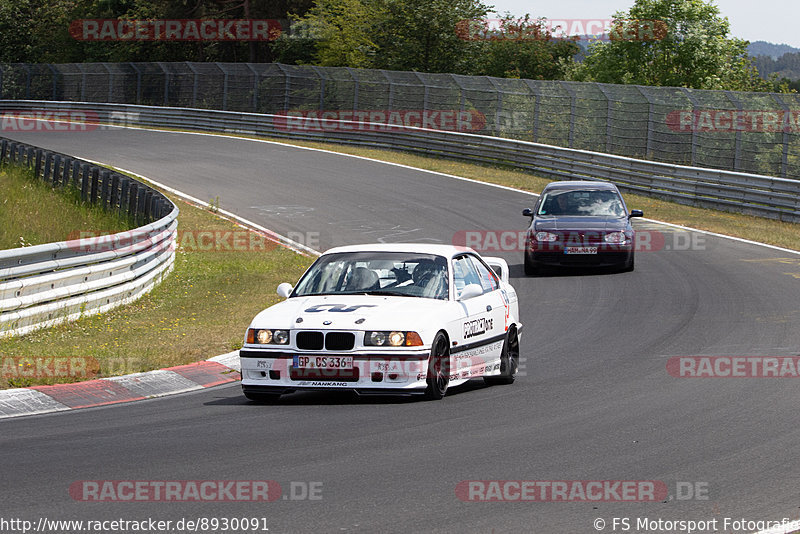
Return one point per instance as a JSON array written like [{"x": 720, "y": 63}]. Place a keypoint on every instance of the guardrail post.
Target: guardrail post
[
  {"x": 31, "y": 153},
  {"x": 114, "y": 197},
  {"x": 47, "y": 166},
  {"x": 37, "y": 166},
  {"x": 132, "y": 198},
  {"x": 140, "y": 196},
  {"x": 76, "y": 168},
  {"x": 105, "y": 190},
  {"x": 56, "y": 170},
  {"x": 12, "y": 152},
  {"x": 84, "y": 181},
  {"x": 125, "y": 185},
  {"x": 148, "y": 197},
  {"x": 95, "y": 184},
  {"x": 64, "y": 178},
  {"x": 3, "y": 150}
]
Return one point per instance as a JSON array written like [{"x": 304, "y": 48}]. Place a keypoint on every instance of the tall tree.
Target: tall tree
[
  {"x": 690, "y": 46},
  {"x": 423, "y": 35},
  {"x": 525, "y": 48}
]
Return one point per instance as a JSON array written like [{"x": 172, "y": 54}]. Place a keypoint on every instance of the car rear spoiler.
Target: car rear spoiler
[{"x": 499, "y": 266}]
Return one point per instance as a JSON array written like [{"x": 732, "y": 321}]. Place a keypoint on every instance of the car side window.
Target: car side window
[
  {"x": 488, "y": 279},
  {"x": 464, "y": 274}
]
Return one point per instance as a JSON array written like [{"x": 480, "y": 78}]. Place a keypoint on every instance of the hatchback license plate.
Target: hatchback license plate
[{"x": 580, "y": 250}]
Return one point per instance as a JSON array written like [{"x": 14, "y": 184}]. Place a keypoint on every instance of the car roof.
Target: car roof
[
  {"x": 415, "y": 248},
  {"x": 581, "y": 184}
]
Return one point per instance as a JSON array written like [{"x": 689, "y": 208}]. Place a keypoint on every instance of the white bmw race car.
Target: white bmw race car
[{"x": 386, "y": 318}]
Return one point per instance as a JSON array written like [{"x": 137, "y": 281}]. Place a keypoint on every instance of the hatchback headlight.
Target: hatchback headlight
[
  {"x": 615, "y": 237},
  {"x": 545, "y": 237}
]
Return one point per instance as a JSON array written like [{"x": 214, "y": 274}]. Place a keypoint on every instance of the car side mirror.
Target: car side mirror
[
  {"x": 527, "y": 212},
  {"x": 285, "y": 289},
  {"x": 471, "y": 291},
  {"x": 636, "y": 213}
]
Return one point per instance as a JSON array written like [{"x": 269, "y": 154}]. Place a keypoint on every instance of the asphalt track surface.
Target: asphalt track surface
[{"x": 595, "y": 401}]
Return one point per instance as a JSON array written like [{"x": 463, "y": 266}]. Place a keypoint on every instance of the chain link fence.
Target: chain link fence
[{"x": 748, "y": 132}]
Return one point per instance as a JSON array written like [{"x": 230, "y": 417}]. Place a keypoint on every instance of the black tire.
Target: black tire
[
  {"x": 509, "y": 362},
  {"x": 531, "y": 267},
  {"x": 262, "y": 398},
  {"x": 629, "y": 265},
  {"x": 438, "y": 368}
]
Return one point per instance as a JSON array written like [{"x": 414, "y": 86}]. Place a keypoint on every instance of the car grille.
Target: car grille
[
  {"x": 582, "y": 237},
  {"x": 310, "y": 340},
  {"x": 331, "y": 341},
  {"x": 339, "y": 340}
]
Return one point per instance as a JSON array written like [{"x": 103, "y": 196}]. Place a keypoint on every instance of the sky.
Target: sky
[{"x": 774, "y": 21}]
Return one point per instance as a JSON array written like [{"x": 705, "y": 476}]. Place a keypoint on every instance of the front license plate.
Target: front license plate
[
  {"x": 580, "y": 250},
  {"x": 322, "y": 362}
]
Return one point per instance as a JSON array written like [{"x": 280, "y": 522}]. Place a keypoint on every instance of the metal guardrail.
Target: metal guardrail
[
  {"x": 43, "y": 285},
  {"x": 765, "y": 196}
]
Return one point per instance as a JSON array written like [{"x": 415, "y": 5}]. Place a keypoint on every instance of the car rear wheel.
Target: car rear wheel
[
  {"x": 438, "y": 368},
  {"x": 509, "y": 361}
]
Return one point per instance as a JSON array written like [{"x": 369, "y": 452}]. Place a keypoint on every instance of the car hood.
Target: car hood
[
  {"x": 594, "y": 224},
  {"x": 351, "y": 312}
]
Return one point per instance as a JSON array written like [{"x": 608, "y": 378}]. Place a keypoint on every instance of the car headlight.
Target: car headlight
[
  {"x": 546, "y": 236},
  {"x": 615, "y": 237},
  {"x": 393, "y": 338},
  {"x": 264, "y": 336}
]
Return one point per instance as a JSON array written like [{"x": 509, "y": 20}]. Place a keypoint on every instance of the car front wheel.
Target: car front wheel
[
  {"x": 438, "y": 368},
  {"x": 531, "y": 267}
]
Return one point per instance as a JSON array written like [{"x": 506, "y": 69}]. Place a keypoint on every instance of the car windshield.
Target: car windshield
[
  {"x": 582, "y": 202},
  {"x": 376, "y": 273}
]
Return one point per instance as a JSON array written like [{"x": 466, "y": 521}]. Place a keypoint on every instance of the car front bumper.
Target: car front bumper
[{"x": 273, "y": 372}]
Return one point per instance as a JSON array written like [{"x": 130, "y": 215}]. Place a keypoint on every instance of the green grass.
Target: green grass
[
  {"x": 33, "y": 212},
  {"x": 200, "y": 310}
]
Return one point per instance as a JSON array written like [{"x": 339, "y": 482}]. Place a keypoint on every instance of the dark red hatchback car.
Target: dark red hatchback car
[{"x": 580, "y": 224}]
